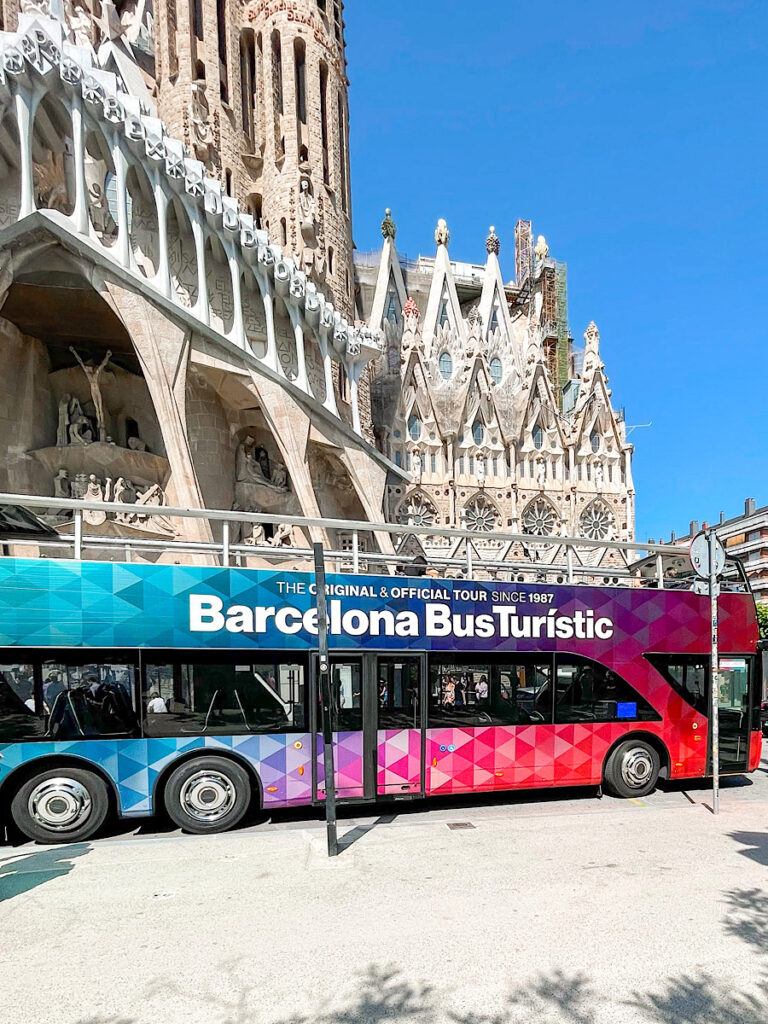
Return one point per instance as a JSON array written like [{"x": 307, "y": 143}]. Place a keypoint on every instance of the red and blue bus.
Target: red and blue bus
[{"x": 135, "y": 688}]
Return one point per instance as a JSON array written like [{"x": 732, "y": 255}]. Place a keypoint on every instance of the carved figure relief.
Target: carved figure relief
[
  {"x": 90, "y": 487},
  {"x": 201, "y": 131},
  {"x": 307, "y": 228},
  {"x": 93, "y": 372},
  {"x": 80, "y": 20},
  {"x": 252, "y": 466}
]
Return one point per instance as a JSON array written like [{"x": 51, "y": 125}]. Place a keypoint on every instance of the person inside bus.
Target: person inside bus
[
  {"x": 96, "y": 688},
  {"x": 155, "y": 704},
  {"x": 459, "y": 691},
  {"x": 481, "y": 690},
  {"x": 17, "y": 706},
  {"x": 54, "y": 685},
  {"x": 449, "y": 693}
]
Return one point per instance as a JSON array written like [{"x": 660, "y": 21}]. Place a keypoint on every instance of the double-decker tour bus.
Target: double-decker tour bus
[{"x": 133, "y": 688}]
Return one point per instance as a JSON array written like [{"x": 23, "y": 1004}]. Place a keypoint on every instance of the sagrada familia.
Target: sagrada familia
[{"x": 185, "y": 321}]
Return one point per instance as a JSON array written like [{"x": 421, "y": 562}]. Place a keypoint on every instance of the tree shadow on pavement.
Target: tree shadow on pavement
[
  {"x": 32, "y": 869},
  {"x": 558, "y": 998},
  {"x": 382, "y": 994}
]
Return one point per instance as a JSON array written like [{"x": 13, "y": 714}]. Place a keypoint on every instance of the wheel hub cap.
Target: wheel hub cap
[
  {"x": 207, "y": 796},
  {"x": 636, "y": 767},
  {"x": 60, "y": 803}
]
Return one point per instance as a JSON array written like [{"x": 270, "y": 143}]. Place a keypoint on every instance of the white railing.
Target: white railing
[{"x": 367, "y": 547}]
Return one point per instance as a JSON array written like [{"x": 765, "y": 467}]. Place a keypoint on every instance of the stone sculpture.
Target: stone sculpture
[
  {"x": 94, "y": 492},
  {"x": 80, "y": 485},
  {"x": 280, "y": 476},
  {"x": 388, "y": 226},
  {"x": 252, "y": 466},
  {"x": 51, "y": 184},
  {"x": 62, "y": 430},
  {"x": 203, "y": 140},
  {"x": 80, "y": 428},
  {"x": 62, "y": 485},
  {"x": 247, "y": 468},
  {"x": 80, "y": 22},
  {"x": 283, "y": 536},
  {"x": 541, "y": 251},
  {"x": 442, "y": 234},
  {"x": 93, "y": 372}
]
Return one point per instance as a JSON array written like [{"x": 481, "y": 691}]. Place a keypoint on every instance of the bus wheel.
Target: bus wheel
[
  {"x": 208, "y": 794},
  {"x": 632, "y": 769},
  {"x": 61, "y": 805}
]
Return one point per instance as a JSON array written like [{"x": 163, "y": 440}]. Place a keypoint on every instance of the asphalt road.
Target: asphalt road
[{"x": 540, "y": 908}]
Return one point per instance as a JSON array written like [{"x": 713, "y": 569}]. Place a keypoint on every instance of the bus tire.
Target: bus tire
[
  {"x": 60, "y": 805},
  {"x": 207, "y": 794},
  {"x": 632, "y": 769}
]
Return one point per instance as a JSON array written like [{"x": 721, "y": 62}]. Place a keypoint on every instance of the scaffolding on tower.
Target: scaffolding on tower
[
  {"x": 561, "y": 300},
  {"x": 523, "y": 259}
]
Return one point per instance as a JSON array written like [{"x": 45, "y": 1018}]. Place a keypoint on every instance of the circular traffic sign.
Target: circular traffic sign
[{"x": 700, "y": 556}]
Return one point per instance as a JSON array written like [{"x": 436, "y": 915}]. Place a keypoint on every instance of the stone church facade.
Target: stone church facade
[
  {"x": 480, "y": 394},
  {"x": 183, "y": 319}
]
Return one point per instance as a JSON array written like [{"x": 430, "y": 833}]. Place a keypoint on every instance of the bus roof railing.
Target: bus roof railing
[{"x": 454, "y": 552}]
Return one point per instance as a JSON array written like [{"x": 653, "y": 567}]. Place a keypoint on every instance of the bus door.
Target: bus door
[
  {"x": 734, "y": 716},
  {"x": 399, "y": 738},
  {"x": 378, "y": 748}
]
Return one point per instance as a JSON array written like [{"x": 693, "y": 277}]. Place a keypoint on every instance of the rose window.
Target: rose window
[
  {"x": 539, "y": 519},
  {"x": 481, "y": 516},
  {"x": 418, "y": 511},
  {"x": 597, "y": 522}
]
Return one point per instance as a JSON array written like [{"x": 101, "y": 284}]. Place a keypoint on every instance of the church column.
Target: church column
[
  {"x": 238, "y": 327},
  {"x": 121, "y": 192},
  {"x": 24, "y": 115},
  {"x": 80, "y": 212},
  {"x": 302, "y": 380},
  {"x": 354, "y": 371},
  {"x": 198, "y": 233},
  {"x": 163, "y": 275},
  {"x": 330, "y": 395},
  {"x": 269, "y": 318}
]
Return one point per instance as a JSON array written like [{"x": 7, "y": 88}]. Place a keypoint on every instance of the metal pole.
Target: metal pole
[
  {"x": 355, "y": 552},
  {"x": 714, "y": 592},
  {"x": 569, "y": 557},
  {"x": 78, "y": 533},
  {"x": 326, "y": 700},
  {"x": 469, "y": 559},
  {"x": 660, "y": 570},
  {"x": 225, "y": 544}
]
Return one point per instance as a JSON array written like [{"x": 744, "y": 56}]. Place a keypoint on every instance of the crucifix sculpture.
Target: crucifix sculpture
[{"x": 92, "y": 372}]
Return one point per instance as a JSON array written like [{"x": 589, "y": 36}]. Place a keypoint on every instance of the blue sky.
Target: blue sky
[{"x": 634, "y": 137}]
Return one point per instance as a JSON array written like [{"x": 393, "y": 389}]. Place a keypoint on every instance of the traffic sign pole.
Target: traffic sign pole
[
  {"x": 714, "y": 593},
  {"x": 326, "y": 701}
]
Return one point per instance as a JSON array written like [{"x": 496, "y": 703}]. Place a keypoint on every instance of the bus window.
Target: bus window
[
  {"x": 398, "y": 693},
  {"x": 590, "y": 692},
  {"x": 347, "y": 687},
  {"x": 524, "y": 695},
  {"x": 182, "y": 699},
  {"x": 459, "y": 693},
  {"x": 688, "y": 674},
  {"x": 21, "y": 714},
  {"x": 86, "y": 700}
]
